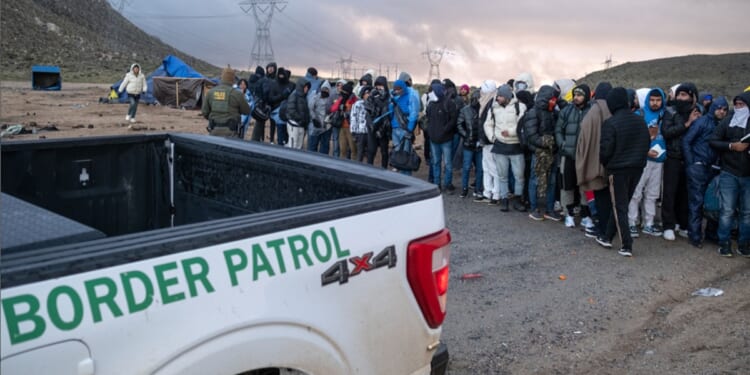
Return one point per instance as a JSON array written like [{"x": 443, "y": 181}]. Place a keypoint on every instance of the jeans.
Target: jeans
[
  {"x": 133, "y": 100},
  {"x": 551, "y": 181},
  {"x": 442, "y": 152},
  {"x": 475, "y": 157},
  {"x": 698, "y": 177},
  {"x": 319, "y": 143},
  {"x": 734, "y": 194},
  {"x": 397, "y": 134},
  {"x": 281, "y": 133},
  {"x": 335, "y": 139},
  {"x": 514, "y": 162}
]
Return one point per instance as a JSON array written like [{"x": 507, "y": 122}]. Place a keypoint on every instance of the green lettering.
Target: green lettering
[
  {"x": 260, "y": 263},
  {"x": 164, "y": 283},
  {"x": 234, "y": 267},
  {"x": 322, "y": 257},
  {"x": 14, "y": 319},
  {"x": 276, "y": 246},
  {"x": 201, "y": 275},
  {"x": 127, "y": 286},
  {"x": 298, "y": 247},
  {"x": 339, "y": 253},
  {"x": 54, "y": 311},
  {"x": 108, "y": 298}
]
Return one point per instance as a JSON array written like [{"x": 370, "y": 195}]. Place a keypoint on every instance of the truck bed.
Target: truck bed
[{"x": 158, "y": 194}]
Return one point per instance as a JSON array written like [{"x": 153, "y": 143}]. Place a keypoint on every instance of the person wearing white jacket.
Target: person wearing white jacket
[{"x": 135, "y": 85}]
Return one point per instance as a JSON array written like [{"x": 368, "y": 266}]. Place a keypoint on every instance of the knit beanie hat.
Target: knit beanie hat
[
  {"x": 602, "y": 90},
  {"x": 617, "y": 99},
  {"x": 404, "y": 76},
  {"x": 348, "y": 88},
  {"x": 227, "y": 75},
  {"x": 687, "y": 87},
  {"x": 505, "y": 91}
]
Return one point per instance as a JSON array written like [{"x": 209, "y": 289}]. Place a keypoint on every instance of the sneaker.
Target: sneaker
[
  {"x": 625, "y": 252},
  {"x": 558, "y": 206},
  {"x": 493, "y": 202},
  {"x": 480, "y": 198},
  {"x": 464, "y": 193},
  {"x": 518, "y": 205},
  {"x": 536, "y": 215},
  {"x": 450, "y": 188},
  {"x": 586, "y": 222},
  {"x": 591, "y": 232},
  {"x": 132, "y": 120},
  {"x": 127, "y": 118},
  {"x": 552, "y": 216},
  {"x": 697, "y": 244},
  {"x": 634, "y": 231},
  {"x": 504, "y": 205},
  {"x": 604, "y": 242},
  {"x": 570, "y": 222},
  {"x": 725, "y": 251},
  {"x": 652, "y": 230},
  {"x": 669, "y": 235},
  {"x": 744, "y": 250},
  {"x": 681, "y": 232}
]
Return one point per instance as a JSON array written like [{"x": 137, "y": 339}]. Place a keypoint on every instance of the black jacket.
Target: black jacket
[
  {"x": 539, "y": 121},
  {"x": 441, "y": 120},
  {"x": 468, "y": 126},
  {"x": 297, "y": 110},
  {"x": 624, "y": 142},
  {"x": 733, "y": 162},
  {"x": 278, "y": 90},
  {"x": 673, "y": 129}
]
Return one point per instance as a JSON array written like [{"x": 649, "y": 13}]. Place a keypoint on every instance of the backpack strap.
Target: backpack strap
[{"x": 518, "y": 109}]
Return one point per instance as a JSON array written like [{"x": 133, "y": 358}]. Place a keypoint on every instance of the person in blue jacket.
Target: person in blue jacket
[{"x": 403, "y": 120}]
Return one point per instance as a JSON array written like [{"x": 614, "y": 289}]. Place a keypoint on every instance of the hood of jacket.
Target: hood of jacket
[
  {"x": 439, "y": 90},
  {"x": 716, "y": 104},
  {"x": 133, "y": 67},
  {"x": 528, "y": 79},
  {"x": 325, "y": 86},
  {"x": 543, "y": 97},
  {"x": 300, "y": 86},
  {"x": 275, "y": 70},
  {"x": 282, "y": 76},
  {"x": 617, "y": 100},
  {"x": 602, "y": 89},
  {"x": 649, "y": 115}
]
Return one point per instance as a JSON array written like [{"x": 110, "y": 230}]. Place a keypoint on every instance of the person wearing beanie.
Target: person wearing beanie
[
  {"x": 507, "y": 154},
  {"x": 223, "y": 106},
  {"x": 539, "y": 128},
  {"x": 464, "y": 91},
  {"x": 487, "y": 94},
  {"x": 441, "y": 126},
  {"x": 677, "y": 121},
  {"x": 345, "y": 102},
  {"x": 590, "y": 173},
  {"x": 649, "y": 186},
  {"x": 566, "y": 137},
  {"x": 699, "y": 161},
  {"x": 135, "y": 84},
  {"x": 625, "y": 142},
  {"x": 729, "y": 140},
  {"x": 706, "y": 99}
]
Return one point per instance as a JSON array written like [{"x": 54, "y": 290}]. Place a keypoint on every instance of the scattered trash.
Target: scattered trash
[
  {"x": 708, "y": 292},
  {"x": 12, "y": 130},
  {"x": 562, "y": 277},
  {"x": 577, "y": 332},
  {"x": 470, "y": 276},
  {"x": 650, "y": 352},
  {"x": 79, "y": 126}
]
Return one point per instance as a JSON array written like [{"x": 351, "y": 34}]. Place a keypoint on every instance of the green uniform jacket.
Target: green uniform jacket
[{"x": 223, "y": 103}]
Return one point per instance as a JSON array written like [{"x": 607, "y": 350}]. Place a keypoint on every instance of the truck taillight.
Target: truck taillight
[{"x": 427, "y": 268}]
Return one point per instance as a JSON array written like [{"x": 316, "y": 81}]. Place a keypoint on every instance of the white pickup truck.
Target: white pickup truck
[{"x": 188, "y": 254}]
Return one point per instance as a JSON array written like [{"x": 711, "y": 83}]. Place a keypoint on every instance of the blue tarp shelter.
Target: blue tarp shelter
[
  {"x": 46, "y": 77},
  {"x": 171, "y": 66}
]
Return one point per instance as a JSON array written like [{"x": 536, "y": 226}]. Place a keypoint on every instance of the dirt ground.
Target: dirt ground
[{"x": 610, "y": 315}]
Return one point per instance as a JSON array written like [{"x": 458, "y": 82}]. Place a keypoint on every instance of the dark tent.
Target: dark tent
[
  {"x": 181, "y": 92},
  {"x": 171, "y": 66},
  {"x": 45, "y": 77}
]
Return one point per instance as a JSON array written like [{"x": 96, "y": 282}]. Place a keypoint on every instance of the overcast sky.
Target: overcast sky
[{"x": 485, "y": 39}]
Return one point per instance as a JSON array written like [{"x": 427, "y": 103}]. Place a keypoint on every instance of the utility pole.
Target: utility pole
[
  {"x": 262, "y": 50},
  {"x": 608, "y": 62}
]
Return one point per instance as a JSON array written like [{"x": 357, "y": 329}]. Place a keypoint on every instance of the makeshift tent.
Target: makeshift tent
[
  {"x": 181, "y": 92},
  {"x": 171, "y": 66},
  {"x": 46, "y": 77}
]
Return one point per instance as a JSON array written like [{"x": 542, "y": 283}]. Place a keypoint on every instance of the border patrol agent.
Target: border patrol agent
[{"x": 223, "y": 105}]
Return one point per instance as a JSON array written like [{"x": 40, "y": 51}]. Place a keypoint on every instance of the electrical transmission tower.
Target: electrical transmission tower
[
  {"x": 345, "y": 67},
  {"x": 262, "y": 50},
  {"x": 120, "y": 4},
  {"x": 608, "y": 62},
  {"x": 435, "y": 56}
]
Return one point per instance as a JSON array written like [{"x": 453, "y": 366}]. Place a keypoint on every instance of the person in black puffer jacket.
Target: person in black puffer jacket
[
  {"x": 624, "y": 146},
  {"x": 298, "y": 113},
  {"x": 279, "y": 90},
  {"x": 469, "y": 127},
  {"x": 539, "y": 126}
]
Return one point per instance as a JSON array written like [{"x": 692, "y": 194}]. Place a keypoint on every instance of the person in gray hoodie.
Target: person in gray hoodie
[{"x": 318, "y": 132}]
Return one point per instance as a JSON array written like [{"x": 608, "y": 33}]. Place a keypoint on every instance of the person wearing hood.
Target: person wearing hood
[
  {"x": 649, "y": 186},
  {"x": 566, "y": 137},
  {"x": 674, "y": 207},
  {"x": 487, "y": 94},
  {"x": 243, "y": 87},
  {"x": 318, "y": 132},
  {"x": 258, "y": 84},
  {"x": 402, "y": 117},
  {"x": 706, "y": 100},
  {"x": 623, "y": 149},
  {"x": 469, "y": 127},
  {"x": 500, "y": 127},
  {"x": 699, "y": 161},
  {"x": 335, "y": 95},
  {"x": 365, "y": 80},
  {"x": 134, "y": 84},
  {"x": 279, "y": 90},
  {"x": 380, "y": 136},
  {"x": 539, "y": 126},
  {"x": 344, "y": 103},
  {"x": 589, "y": 170},
  {"x": 361, "y": 124},
  {"x": 730, "y": 140},
  {"x": 441, "y": 119},
  {"x": 223, "y": 106},
  {"x": 524, "y": 82},
  {"x": 298, "y": 113}
]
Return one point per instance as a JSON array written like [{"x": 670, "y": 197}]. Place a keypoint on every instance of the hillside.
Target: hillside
[
  {"x": 88, "y": 39},
  {"x": 726, "y": 74}
]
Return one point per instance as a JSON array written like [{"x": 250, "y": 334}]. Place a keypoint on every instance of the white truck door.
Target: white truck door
[{"x": 66, "y": 357}]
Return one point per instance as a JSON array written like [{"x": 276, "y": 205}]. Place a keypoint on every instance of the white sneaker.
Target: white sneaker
[
  {"x": 587, "y": 222},
  {"x": 669, "y": 235},
  {"x": 570, "y": 221},
  {"x": 132, "y": 120},
  {"x": 681, "y": 232},
  {"x": 127, "y": 118}
]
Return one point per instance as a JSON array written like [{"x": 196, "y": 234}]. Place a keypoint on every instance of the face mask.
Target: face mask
[
  {"x": 325, "y": 94},
  {"x": 521, "y": 85},
  {"x": 683, "y": 106}
]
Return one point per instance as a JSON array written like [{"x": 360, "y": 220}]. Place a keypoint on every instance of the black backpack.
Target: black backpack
[{"x": 523, "y": 138}]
